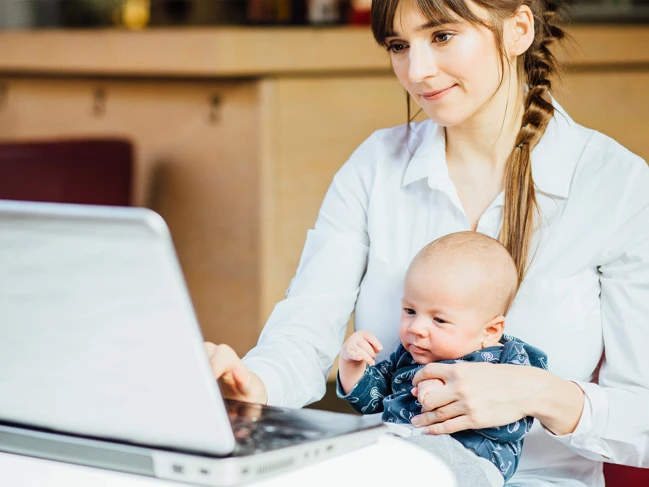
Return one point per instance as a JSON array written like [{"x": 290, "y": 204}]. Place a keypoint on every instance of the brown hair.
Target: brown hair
[{"x": 535, "y": 67}]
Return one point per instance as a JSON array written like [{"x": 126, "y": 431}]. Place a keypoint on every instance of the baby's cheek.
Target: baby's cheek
[{"x": 446, "y": 351}]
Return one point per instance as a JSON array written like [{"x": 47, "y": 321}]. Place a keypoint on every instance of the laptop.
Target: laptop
[{"x": 102, "y": 360}]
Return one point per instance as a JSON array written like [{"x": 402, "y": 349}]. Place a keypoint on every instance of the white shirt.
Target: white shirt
[{"x": 587, "y": 289}]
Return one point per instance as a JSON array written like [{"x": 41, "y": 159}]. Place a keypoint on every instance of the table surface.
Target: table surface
[{"x": 367, "y": 466}]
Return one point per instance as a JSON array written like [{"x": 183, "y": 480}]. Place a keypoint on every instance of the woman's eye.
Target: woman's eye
[
  {"x": 439, "y": 320},
  {"x": 409, "y": 311},
  {"x": 396, "y": 47},
  {"x": 442, "y": 38}
]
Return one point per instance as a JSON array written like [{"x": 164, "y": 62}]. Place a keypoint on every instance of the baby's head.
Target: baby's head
[{"x": 456, "y": 294}]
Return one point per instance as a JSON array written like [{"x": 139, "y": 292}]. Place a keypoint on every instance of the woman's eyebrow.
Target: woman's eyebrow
[
  {"x": 433, "y": 24},
  {"x": 428, "y": 25}
]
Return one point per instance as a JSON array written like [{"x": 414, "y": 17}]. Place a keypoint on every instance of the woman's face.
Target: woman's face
[{"x": 451, "y": 70}]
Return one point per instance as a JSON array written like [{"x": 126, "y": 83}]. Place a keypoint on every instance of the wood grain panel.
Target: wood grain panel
[
  {"x": 247, "y": 51},
  {"x": 317, "y": 124},
  {"x": 615, "y": 103}
]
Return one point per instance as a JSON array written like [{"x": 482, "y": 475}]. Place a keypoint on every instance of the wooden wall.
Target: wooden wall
[{"x": 238, "y": 164}]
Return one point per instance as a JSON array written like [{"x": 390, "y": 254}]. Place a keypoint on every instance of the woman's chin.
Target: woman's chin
[{"x": 445, "y": 119}]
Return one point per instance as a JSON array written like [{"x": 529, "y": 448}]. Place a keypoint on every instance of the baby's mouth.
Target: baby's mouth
[{"x": 417, "y": 350}]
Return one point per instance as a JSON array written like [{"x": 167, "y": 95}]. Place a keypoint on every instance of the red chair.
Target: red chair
[
  {"x": 90, "y": 171},
  {"x": 622, "y": 476}
]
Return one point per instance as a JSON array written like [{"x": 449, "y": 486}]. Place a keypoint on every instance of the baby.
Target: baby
[{"x": 456, "y": 294}]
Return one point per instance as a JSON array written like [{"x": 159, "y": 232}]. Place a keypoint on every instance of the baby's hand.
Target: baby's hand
[
  {"x": 425, "y": 387},
  {"x": 361, "y": 346}
]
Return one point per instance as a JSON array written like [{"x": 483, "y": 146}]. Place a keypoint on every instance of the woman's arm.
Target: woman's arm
[
  {"x": 616, "y": 423},
  {"x": 557, "y": 403},
  {"x": 303, "y": 335}
]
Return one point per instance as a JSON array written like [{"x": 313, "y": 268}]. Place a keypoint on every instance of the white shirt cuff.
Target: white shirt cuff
[
  {"x": 586, "y": 439},
  {"x": 271, "y": 381}
]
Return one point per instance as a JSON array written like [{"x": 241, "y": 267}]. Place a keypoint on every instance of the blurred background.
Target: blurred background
[
  {"x": 153, "y": 13},
  {"x": 230, "y": 117}
]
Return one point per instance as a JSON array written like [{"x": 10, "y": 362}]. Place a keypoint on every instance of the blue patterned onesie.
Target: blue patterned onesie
[{"x": 386, "y": 387}]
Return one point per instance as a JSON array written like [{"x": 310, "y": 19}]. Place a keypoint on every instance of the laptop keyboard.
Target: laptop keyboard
[
  {"x": 257, "y": 432},
  {"x": 256, "y": 437}
]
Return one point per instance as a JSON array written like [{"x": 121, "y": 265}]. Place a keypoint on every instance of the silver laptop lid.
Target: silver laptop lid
[{"x": 98, "y": 336}]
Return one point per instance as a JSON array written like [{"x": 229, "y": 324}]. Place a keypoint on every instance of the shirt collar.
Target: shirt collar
[
  {"x": 428, "y": 158},
  {"x": 553, "y": 159}
]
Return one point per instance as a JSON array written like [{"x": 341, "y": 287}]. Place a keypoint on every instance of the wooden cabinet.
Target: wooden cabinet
[{"x": 239, "y": 132}]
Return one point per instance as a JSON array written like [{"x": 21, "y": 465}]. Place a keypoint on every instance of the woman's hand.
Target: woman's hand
[
  {"x": 237, "y": 382},
  {"x": 456, "y": 397}
]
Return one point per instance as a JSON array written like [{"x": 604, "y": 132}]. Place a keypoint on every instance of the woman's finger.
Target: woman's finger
[
  {"x": 450, "y": 426},
  {"x": 227, "y": 379},
  {"x": 241, "y": 380},
  {"x": 442, "y": 372},
  {"x": 444, "y": 413},
  {"x": 210, "y": 348},
  {"x": 430, "y": 416},
  {"x": 223, "y": 359},
  {"x": 431, "y": 393}
]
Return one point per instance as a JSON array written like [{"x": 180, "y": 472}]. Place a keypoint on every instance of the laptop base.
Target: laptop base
[{"x": 183, "y": 467}]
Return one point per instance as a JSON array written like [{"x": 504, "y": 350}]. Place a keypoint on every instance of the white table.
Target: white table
[{"x": 369, "y": 466}]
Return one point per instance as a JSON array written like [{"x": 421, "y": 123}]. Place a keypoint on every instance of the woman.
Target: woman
[{"x": 497, "y": 156}]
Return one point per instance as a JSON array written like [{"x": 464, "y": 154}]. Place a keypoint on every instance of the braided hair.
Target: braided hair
[{"x": 537, "y": 65}]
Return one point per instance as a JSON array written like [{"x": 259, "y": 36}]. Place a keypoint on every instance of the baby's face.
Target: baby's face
[{"x": 440, "y": 317}]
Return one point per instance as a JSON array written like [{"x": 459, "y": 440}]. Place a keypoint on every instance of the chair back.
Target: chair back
[
  {"x": 623, "y": 476},
  {"x": 86, "y": 171}
]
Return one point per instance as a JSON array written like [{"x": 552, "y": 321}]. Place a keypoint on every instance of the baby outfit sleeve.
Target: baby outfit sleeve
[{"x": 367, "y": 395}]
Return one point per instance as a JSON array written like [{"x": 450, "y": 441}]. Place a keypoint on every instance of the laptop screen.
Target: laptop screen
[{"x": 96, "y": 323}]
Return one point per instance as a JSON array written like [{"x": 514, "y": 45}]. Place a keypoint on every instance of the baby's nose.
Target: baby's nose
[{"x": 419, "y": 327}]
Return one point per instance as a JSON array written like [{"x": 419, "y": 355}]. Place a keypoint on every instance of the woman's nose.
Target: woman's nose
[{"x": 422, "y": 63}]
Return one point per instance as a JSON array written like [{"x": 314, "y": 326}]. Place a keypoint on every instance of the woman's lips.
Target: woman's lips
[{"x": 436, "y": 95}]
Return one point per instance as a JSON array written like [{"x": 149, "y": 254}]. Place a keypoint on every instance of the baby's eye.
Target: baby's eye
[
  {"x": 409, "y": 311},
  {"x": 439, "y": 320}
]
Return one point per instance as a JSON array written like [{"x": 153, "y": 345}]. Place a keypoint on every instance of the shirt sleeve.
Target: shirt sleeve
[
  {"x": 614, "y": 424},
  {"x": 303, "y": 334}
]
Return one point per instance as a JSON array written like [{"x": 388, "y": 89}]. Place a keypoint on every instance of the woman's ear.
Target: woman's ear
[
  {"x": 519, "y": 31},
  {"x": 493, "y": 331}
]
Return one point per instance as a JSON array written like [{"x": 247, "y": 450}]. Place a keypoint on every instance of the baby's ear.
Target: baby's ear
[{"x": 493, "y": 331}]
